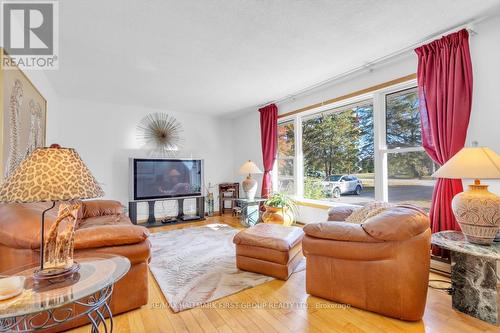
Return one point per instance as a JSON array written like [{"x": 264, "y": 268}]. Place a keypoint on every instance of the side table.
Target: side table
[
  {"x": 473, "y": 275},
  {"x": 250, "y": 210},
  {"x": 47, "y": 305}
]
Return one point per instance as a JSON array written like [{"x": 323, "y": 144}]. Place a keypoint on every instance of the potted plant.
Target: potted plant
[{"x": 280, "y": 208}]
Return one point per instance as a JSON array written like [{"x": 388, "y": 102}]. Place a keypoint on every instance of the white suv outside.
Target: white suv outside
[{"x": 342, "y": 184}]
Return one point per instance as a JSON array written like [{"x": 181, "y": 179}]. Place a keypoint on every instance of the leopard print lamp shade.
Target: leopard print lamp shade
[{"x": 50, "y": 174}]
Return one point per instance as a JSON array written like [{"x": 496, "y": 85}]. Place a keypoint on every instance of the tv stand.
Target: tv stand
[{"x": 152, "y": 221}]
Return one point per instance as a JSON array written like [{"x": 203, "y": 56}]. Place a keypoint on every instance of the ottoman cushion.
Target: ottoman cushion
[
  {"x": 269, "y": 249},
  {"x": 270, "y": 236}
]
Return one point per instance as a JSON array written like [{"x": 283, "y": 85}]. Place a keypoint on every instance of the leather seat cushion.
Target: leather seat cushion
[
  {"x": 117, "y": 219},
  {"x": 110, "y": 235},
  {"x": 279, "y": 257},
  {"x": 270, "y": 236}
]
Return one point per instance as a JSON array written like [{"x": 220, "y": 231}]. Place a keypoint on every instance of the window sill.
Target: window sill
[{"x": 320, "y": 204}]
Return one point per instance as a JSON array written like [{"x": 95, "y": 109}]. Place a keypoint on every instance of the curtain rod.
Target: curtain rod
[{"x": 469, "y": 25}]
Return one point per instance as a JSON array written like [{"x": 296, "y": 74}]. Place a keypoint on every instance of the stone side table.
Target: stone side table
[
  {"x": 473, "y": 275},
  {"x": 250, "y": 210}
]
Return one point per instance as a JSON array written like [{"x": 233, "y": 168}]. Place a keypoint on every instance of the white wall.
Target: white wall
[
  {"x": 485, "y": 117},
  {"x": 105, "y": 137},
  {"x": 484, "y": 126},
  {"x": 246, "y": 145}
]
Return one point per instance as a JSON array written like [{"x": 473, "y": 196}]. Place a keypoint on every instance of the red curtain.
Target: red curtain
[
  {"x": 269, "y": 141},
  {"x": 445, "y": 92}
]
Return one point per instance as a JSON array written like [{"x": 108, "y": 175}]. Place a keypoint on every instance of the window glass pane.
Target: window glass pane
[
  {"x": 403, "y": 119},
  {"x": 410, "y": 178},
  {"x": 286, "y": 185},
  {"x": 286, "y": 139},
  {"x": 285, "y": 167},
  {"x": 335, "y": 143},
  {"x": 286, "y": 155}
]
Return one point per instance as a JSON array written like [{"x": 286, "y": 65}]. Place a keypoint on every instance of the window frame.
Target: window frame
[
  {"x": 276, "y": 176},
  {"x": 381, "y": 151}
]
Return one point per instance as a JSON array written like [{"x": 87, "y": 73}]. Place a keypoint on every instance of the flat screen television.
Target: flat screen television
[{"x": 165, "y": 178}]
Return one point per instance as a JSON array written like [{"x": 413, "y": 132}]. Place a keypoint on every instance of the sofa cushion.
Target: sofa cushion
[
  {"x": 397, "y": 223},
  {"x": 94, "y": 208},
  {"x": 109, "y": 235},
  {"x": 271, "y": 236},
  {"x": 371, "y": 209},
  {"x": 340, "y": 213},
  {"x": 340, "y": 231},
  {"x": 104, "y": 220}
]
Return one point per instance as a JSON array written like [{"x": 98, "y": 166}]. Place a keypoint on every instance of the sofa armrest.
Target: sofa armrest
[
  {"x": 109, "y": 235},
  {"x": 94, "y": 208},
  {"x": 340, "y": 231},
  {"x": 340, "y": 213},
  {"x": 20, "y": 224}
]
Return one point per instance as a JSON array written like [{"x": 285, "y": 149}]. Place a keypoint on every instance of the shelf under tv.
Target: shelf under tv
[{"x": 152, "y": 221}]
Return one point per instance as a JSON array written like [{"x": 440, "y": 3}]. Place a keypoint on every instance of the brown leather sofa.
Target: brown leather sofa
[
  {"x": 101, "y": 228},
  {"x": 381, "y": 265}
]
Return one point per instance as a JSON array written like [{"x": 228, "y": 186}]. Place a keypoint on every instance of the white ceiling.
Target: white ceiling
[{"x": 220, "y": 56}]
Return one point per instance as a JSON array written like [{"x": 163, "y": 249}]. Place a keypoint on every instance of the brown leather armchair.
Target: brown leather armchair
[
  {"x": 101, "y": 228},
  {"x": 381, "y": 265}
]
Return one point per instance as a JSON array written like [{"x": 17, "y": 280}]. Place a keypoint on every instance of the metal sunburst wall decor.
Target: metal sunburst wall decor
[{"x": 161, "y": 133}]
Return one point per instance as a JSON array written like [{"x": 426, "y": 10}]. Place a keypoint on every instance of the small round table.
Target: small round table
[{"x": 46, "y": 305}]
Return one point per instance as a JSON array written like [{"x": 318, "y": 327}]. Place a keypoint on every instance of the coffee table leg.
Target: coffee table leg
[
  {"x": 98, "y": 317},
  {"x": 474, "y": 282}
]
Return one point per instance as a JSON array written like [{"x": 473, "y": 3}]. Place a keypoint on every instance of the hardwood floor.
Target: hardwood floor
[{"x": 279, "y": 306}]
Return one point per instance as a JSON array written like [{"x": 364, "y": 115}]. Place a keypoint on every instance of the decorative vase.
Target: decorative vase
[
  {"x": 210, "y": 204},
  {"x": 278, "y": 215},
  {"x": 249, "y": 187},
  {"x": 477, "y": 211}
]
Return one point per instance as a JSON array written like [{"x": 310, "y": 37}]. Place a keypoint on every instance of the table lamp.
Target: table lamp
[
  {"x": 49, "y": 175},
  {"x": 249, "y": 184},
  {"x": 477, "y": 210}
]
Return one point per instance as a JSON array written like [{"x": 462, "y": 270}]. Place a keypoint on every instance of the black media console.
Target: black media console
[{"x": 180, "y": 218}]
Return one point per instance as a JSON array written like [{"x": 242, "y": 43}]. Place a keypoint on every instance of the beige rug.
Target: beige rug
[{"x": 194, "y": 266}]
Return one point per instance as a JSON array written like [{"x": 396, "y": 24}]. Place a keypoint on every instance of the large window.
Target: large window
[
  {"x": 409, "y": 168},
  {"x": 286, "y": 157},
  {"x": 337, "y": 150},
  {"x": 358, "y": 150}
]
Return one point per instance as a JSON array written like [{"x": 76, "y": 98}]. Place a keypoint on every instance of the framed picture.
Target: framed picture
[{"x": 23, "y": 115}]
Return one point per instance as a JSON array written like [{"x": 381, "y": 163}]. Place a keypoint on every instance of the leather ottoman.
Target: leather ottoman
[{"x": 269, "y": 249}]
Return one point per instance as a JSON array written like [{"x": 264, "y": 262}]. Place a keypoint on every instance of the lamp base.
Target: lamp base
[
  {"x": 55, "y": 274},
  {"x": 249, "y": 187},
  {"x": 477, "y": 211}
]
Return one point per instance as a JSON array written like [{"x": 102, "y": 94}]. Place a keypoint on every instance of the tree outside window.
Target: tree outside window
[{"x": 338, "y": 142}]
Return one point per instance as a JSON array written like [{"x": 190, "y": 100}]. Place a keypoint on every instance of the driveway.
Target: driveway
[{"x": 420, "y": 195}]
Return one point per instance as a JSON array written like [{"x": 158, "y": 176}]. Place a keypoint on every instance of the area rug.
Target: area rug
[{"x": 194, "y": 266}]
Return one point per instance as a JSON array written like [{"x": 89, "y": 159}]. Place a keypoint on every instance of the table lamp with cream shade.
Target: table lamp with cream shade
[
  {"x": 477, "y": 210},
  {"x": 249, "y": 184},
  {"x": 49, "y": 175}
]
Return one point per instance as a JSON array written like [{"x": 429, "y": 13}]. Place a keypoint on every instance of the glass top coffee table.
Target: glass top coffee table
[{"x": 45, "y": 305}]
